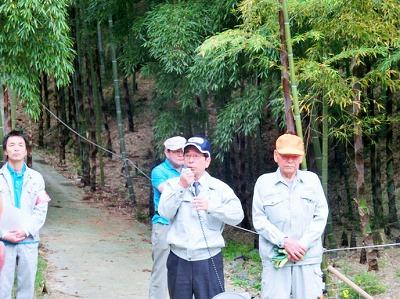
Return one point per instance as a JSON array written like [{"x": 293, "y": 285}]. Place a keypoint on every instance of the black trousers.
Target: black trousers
[{"x": 198, "y": 278}]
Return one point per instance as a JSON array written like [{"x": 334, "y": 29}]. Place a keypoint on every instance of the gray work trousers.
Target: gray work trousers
[
  {"x": 303, "y": 282},
  {"x": 160, "y": 251},
  {"x": 20, "y": 260}
]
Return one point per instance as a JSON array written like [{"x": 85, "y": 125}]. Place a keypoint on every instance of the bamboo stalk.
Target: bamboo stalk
[
  {"x": 346, "y": 280},
  {"x": 117, "y": 98},
  {"x": 293, "y": 80}
]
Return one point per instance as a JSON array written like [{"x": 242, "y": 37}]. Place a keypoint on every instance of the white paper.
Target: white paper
[{"x": 13, "y": 219}]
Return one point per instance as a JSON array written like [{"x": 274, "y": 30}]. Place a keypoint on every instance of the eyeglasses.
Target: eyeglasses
[
  {"x": 177, "y": 152},
  {"x": 194, "y": 157}
]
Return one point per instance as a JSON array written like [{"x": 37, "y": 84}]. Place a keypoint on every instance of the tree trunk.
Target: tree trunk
[
  {"x": 84, "y": 119},
  {"x": 100, "y": 75},
  {"x": 343, "y": 165},
  {"x": 97, "y": 91},
  {"x": 129, "y": 110},
  {"x": 92, "y": 122},
  {"x": 285, "y": 76},
  {"x": 391, "y": 189},
  {"x": 41, "y": 117},
  {"x": 293, "y": 79},
  {"x": 62, "y": 133},
  {"x": 238, "y": 166},
  {"x": 360, "y": 180},
  {"x": 46, "y": 100},
  {"x": 76, "y": 86},
  {"x": 13, "y": 108},
  {"x": 315, "y": 138},
  {"x": 129, "y": 181},
  {"x": 7, "y": 110},
  {"x": 29, "y": 159},
  {"x": 80, "y": 72},
  {"x": 375, "y": 160}
]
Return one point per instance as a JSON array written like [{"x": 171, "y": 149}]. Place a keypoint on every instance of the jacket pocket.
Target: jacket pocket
[
  {"x": 275, "y": 207},
  {"x": 214, "y": 223},
  {"x": 308, "y": 205}
]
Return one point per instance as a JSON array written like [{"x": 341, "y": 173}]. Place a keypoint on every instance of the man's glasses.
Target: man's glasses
[
  {"x": 177, "y": 152},
  {"x": 194, "y": 157}
]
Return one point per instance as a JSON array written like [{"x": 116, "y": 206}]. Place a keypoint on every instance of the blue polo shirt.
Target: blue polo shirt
[{"x": 159, "y": 175}]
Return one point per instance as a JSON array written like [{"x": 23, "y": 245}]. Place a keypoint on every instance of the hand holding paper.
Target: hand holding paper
[{"x": 13, "y": 219}]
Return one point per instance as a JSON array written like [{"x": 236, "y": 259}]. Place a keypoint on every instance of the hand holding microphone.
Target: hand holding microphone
[{"x": 186, "y": 178}]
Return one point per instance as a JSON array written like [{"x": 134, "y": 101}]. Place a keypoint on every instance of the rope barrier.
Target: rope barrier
[
  {"x": 95, "y": 144},
  {"x": 360, "y": 247},
  {"x": 235, "y": 226}
]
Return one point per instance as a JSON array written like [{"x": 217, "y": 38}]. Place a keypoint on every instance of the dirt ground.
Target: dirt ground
[{"x": 90, "y": 252}]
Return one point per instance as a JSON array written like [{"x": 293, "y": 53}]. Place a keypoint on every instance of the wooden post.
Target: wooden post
[{"x": 355, "y": 287}]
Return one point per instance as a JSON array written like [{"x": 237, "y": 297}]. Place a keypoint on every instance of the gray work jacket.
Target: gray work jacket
[
  {"x": 34, "y": 200},
  {"x": 185, "y": 235},
  {"x": 299, "y": 212}
]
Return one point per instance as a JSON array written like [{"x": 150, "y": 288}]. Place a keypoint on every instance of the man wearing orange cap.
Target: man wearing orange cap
[{"x": 290, "y": 213}]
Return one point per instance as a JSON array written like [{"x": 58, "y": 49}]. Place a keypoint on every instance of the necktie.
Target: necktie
[{"x": 196, "y": 188}]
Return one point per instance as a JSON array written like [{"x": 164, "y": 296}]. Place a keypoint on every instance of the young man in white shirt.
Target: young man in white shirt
[{"x": 22, "y": 189}]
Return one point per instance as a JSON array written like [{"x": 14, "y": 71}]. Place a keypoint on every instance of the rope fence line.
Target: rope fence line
[
  {"x": 95, "y": 144},
  {"x": 235, "y": 226},
  {"x": 361, "y": 247}
]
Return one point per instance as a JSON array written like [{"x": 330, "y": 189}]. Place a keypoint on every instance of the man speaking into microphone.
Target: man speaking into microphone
[{"x": 197, "y": 205}]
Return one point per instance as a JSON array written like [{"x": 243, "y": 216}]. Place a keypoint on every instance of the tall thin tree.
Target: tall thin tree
[{"x": 120, "y": 124}]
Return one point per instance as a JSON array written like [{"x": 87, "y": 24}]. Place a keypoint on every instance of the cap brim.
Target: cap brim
[
  {"x": 290, "y": 151},
  {"x": 198, "y": 147},
  {"x": 174, "y": 148}
]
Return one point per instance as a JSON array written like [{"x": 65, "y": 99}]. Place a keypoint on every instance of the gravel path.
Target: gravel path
[{"x": 91, "y": 253}]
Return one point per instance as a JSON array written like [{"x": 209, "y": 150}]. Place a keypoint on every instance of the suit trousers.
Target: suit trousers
[{"x": 198, "y": 278}]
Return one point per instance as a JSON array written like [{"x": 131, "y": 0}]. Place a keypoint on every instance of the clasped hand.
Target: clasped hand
[
  {"x": 295, "y": 250},
  {"x": 15, "y": 236}
]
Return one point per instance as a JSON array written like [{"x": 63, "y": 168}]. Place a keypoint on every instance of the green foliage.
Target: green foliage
[
  {"x": 40, "y": 276},
  {"x": 174, "y": 31},
  {"x": 367, "y": 281},
  {"x": 34, "y": 38},
  {"x": 230, "y": 57},
  {"x": 234, "y": 249},
  {"x": 258, "y": 14},
  {"x": 245, "y": 264},
  {"x": 398, "y": 273},
  {"x": 242, "y": 115}
]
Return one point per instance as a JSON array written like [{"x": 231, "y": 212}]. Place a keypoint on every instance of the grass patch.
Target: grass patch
[
  {"x": 368, "y": 281},
  {"x": 243, "y": 264},
  {"x": 40, "y": 277},
  {"x": 397, "y": 273},
  {"x": 39, "y": 281}
]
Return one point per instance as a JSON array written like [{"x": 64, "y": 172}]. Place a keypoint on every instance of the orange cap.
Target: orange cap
[{"x": 288, "y": 144}]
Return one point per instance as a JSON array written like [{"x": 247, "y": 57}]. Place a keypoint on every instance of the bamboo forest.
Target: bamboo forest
[{"x": 99, "y": 85}]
